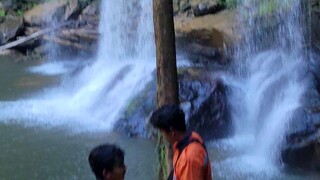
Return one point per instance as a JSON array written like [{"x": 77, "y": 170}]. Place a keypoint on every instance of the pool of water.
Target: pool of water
[
  {"x": 43, "y": 153},
  {"x": 234, "y": 158},
  {"x": 40, "y": 150}
]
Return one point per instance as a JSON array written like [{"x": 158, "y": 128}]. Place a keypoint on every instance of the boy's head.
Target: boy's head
[
  {"x": 107, "y": 162},
  {"x": 170, "y": 120}
]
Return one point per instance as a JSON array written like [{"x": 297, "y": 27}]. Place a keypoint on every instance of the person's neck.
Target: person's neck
[{"x": 180, "y": 136}]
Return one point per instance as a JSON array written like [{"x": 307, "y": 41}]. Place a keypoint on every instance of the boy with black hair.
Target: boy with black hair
[
  {"x": 190, "y": 159},
  {"x": 107, "y": 162}
]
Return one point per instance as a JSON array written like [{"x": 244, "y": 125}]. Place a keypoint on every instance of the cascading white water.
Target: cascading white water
[
  {"x": 267, "y": 81},
  {"x": 95, "y": 98}
]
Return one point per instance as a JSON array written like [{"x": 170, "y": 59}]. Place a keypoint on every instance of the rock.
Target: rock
[
  {"x": 197, "y": 7},
  {"x": 92, "y": 9},
  {"x": 211, "y": 30},
  {"x": 30, "y": 30},
  {"x": 10, "y": 28},
  {"x": 85, "y": 3},
  {"x": 8, "y": 4},
  {"x": 302, "y": 140},
  {"x": 184, "y": 5},
  {"x": 208, "y": 113},
  {"x": 11, "y": 53},
  {"x": 198, "y": 89},
  {"x": 45, "y": 14},
  {"x": 90, "y": 21},
  {"x": 2, "y": 19},
  {"x": 77, "y": 42},
  {"x": 315, "y": 26},
  {"x": 300, "y": 155},
  {"x": 176, "y": 7},
  {"x": 203, "y": 7},
  {"x": 72, "y": 10},
  {"x": 200, "y": 54},
  {"x": 41, "y": 50},
  {"x": 314, "y": 69},
  {"x": 301, "y": 146},
  {"x": 134, "y": 121},
  {"x": 2, "y": 40},
  {"x": 90, "y": 15}
]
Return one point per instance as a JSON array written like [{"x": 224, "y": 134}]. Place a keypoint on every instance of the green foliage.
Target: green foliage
[
  {"x": 230, "y": 4},
  {"x": 267, "y": 7},
  {"x": 84, "y": 3},
  {"x": 31, "y": 5},
  {"x": 2, "y": 13},
  {"x": 162, "y": 157},
  {"x": 20, "y": 12}
]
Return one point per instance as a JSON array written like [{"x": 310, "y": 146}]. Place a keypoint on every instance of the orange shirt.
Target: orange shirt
[{"x": 193, "y": 162}]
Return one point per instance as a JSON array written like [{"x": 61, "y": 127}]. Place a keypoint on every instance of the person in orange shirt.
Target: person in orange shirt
[{"x": 190, "y": 159}]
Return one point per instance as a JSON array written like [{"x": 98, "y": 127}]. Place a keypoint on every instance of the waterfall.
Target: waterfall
[
  {"x": 95, "y": 97},
  {"x": 267, "y": 81}
]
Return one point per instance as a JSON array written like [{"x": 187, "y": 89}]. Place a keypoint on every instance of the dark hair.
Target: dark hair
[
  {"x": 105, "y": 156},
  {"x": 169, "y": 116}
]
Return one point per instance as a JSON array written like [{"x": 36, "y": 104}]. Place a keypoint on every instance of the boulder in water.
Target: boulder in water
[
  {"x": 202, "y": 97},
  {"x": 10, "y": 28},
  {"x": 208, "y": 111},
  {"x": 302, "y": 142},
  {"x": 45, "y": 14},
  {"x": 211, "y": 30},
  {"x": 90, "y": 14},
  {"x": 8, "y": 4},
  {"x": 203, "y": 7},
  {"x": 315, "y": 26},
  {"x": 72, "y": 10},
  {"x": 201, "y": 54},
  {"x": 91, "y": 9}
]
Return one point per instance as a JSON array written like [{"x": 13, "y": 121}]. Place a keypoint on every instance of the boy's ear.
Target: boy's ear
[{"x": 106, "y": 174}]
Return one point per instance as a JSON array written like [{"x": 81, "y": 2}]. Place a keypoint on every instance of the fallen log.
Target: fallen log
[
  {"x": 24, "y": 39},
  {"x": 64, "y": 42},
  {"x": 82, "y": 33},
  {"x": 32, "y": 36}
]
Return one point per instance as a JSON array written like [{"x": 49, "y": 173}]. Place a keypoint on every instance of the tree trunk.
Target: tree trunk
[{"x": 167, "y": 82}]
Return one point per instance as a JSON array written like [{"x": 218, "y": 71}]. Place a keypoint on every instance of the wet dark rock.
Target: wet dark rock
[
  {"x": 92, "y": 9},
  {"x": 299, "y": 155},
  {"x": 202, "y": 97},
  {"x": 217, "y": 31},
  {"x": 315, "y": 27},
  {"x": 12, "y": 53},
  {"x": 199, "y": 53},
  {"x": 302, "y": 139},
  {"x": 184, "y": 5},
  {"x": 8, "y": 4},
  {"x": 314, "y": 69},
  {"x": 2, "y": 40},
  {"x": 208, "y": 109},
  {"x": 176, "y": 6},
  {"x": 206, "y": 7},
  {"x": 134, "y": 120},
  {"x": 45, "y": 14},
  {"x": 72, "y": 10},
  {"x": 90, "y": 14},
  {"x": 10, "y": 28},
  {"x": 197, "y": 7}
]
